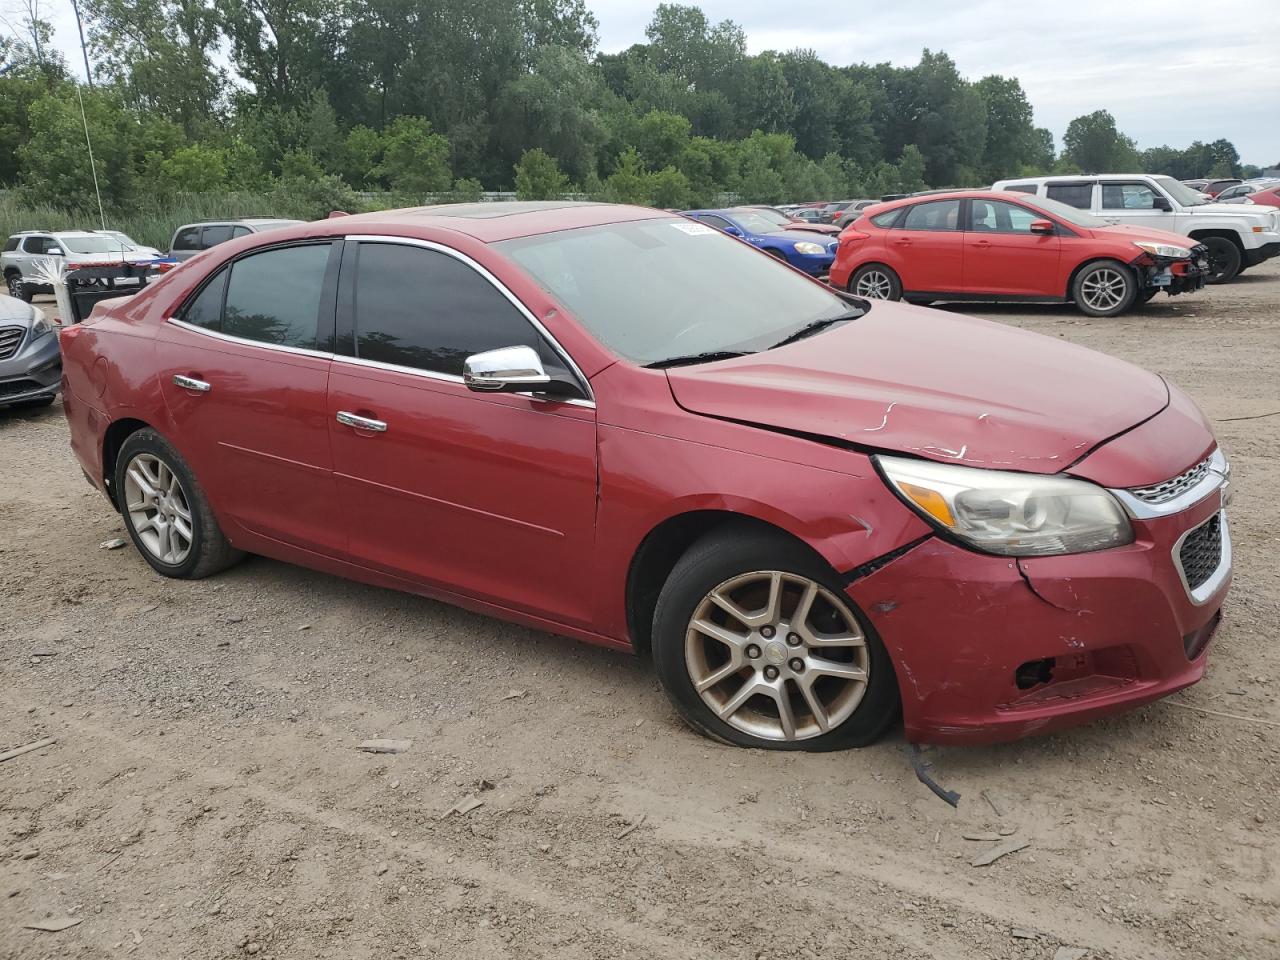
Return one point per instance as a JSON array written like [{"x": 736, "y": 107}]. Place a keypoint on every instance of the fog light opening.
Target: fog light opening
[{"x": 1033, "y": 673}]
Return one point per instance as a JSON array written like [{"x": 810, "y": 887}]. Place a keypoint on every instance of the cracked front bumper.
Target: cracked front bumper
[
  {"x": 33, "y": 373},
  {"x": 1103, "y": 632}
]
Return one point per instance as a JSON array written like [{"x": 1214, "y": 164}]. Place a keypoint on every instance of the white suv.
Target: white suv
[
  {"x": 25, "y": 249},
  {"x": 1237, "y": 235}
]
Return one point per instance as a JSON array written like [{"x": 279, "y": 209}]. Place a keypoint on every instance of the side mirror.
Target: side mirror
[
  {"x": 1161, "y": 203},
  {"x": 733, "y": 231},
  {"x": 1042, "y": 226},
  {"x": 55, "y": 252},
  {"x": 505, "y": 370}
]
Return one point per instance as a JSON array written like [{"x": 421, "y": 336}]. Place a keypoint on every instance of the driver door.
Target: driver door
[{"x": 487, "y": 495}]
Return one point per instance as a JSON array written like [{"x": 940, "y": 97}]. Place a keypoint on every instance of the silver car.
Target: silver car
[
  {"x": 23, "y": 250},
  {"x": 30, "y": 361},
  {"x": 190, "y": 238}
]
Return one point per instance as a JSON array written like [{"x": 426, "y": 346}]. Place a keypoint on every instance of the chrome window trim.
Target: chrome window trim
[
  {"x": 1218, "y": 477},
  {"x": 497, "y": 285},
  {"x": 1204, "y": 593},
  {"x": 226, "y": 337},
  {"x": 450, "y": 378}
]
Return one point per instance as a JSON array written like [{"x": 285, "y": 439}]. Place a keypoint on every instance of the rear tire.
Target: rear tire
[
  {"x": 875, "y": 281},
  {"x": 18, "y": 289},
  {"x": 166, "y": 512},
  {"x": 1104, "y": 288},
  {"x": 786, "y": 653},
  {"x": 1224, "y": 259}
]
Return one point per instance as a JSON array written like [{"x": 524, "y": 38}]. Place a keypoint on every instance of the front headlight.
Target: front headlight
[
  {"x": 1162, "y": 249},
  {"x": 1012, "y": 514},
  {"x": 804, "y": 246},
  {"x": 40, "y": 326}
]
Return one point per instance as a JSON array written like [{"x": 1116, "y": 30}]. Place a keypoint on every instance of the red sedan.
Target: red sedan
[
  {"x": 991, "y": 246},
  {"x": 811, "y": 510}
]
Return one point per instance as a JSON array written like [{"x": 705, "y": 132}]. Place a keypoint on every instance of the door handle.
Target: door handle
[
  {"x": 361, "y": 423},
  {"x": 191, "y": 383},
  {"x": 982, "y": 243},
  {"x": 903, "y": 242}
]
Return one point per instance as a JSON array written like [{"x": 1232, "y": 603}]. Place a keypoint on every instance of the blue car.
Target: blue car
[{"x": 809, "y": 252}]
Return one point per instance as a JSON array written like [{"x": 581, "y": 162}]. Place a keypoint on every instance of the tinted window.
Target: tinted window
[
  {"x": 935, "y": 215},
  {"x": 11, "y": 244},
  {"x": 1021, "y": 187},
  {"x": 188, "y": 238},
  {"x": 424, "y": 309},
  {"x": 215, "y": 235},
  {"x": 206, "y": 309},
  {"x": 720, "y": 223},
  {"x": 274, "y": 297},
  {"x": 1127, "y": 196},
  {"x": 1078, "y": 195},
  {"x": 995, "y": 216},
  {"x": 239, "y": 232},
  {"x": 885, "y": 219},
  {"x": 38, "y": 244}
]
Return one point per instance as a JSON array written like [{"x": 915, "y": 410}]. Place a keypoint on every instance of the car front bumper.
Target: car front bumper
[
  {"x": 33, "y": 373},
  {"x": 1259, "y": 254},
  {"x": 990, "y": 649},
  {"x": 814, "y": 264}
]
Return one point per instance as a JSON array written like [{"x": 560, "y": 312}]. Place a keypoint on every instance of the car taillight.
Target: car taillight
[{"x": 851, "y": 236}]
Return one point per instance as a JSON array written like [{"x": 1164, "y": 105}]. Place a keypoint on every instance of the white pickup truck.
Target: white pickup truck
[{"x": 1238, "y": 236}]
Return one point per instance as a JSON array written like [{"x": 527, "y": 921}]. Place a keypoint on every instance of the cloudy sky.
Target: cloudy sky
[{"x": 1171, "y": 71}]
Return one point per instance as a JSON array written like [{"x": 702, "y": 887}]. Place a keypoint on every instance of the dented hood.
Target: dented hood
[{"x": 934, "y": 384}]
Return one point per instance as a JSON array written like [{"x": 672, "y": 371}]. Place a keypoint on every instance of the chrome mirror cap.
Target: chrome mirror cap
[{"x": 507, "y": 368}]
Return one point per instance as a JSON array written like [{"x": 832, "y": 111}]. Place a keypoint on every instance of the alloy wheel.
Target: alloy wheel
[
  {"x": 1104, "y": 289},
  {"x": 777, "y": 656},
  {"x": 874, "y": 284},
  {"x": 14, "y": 282},
  {"x": 158, "y": 508}
]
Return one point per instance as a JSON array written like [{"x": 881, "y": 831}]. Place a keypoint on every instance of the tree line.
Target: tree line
[{"x": 447, "y": 98}]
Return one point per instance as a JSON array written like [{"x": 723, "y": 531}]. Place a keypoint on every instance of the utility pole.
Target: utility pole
[{"x": 84, "y": 50}]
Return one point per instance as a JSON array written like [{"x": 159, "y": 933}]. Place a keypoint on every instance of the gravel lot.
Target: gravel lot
[{"x": 206, "y": 797}]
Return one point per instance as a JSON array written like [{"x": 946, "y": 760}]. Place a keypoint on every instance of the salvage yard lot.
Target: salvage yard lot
[{"x": 207, "y": 798}]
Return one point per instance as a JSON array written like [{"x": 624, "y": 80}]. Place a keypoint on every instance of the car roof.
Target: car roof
[
  {"x": 1080, "y": 177},
  {"x": 1004, "y": 195},
  {"x": 505, "y": 220}
]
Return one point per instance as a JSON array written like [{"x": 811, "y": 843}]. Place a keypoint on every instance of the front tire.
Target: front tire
[
  {"x": 1104, "y": 288},
  {"x": 1224, "y": 259},
  {"x": 875, "y": 281},
  {"x": 18, "y": 289},
  {"x": 756, "y": 644},
  {"x": 166, "y": 512}
]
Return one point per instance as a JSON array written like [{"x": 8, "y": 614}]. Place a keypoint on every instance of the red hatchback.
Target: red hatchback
[
  {"x": 811, "y": 510},
  {"x": 986, "y": 246}
]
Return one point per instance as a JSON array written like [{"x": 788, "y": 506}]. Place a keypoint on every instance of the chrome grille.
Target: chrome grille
[
  {"x": 10, "y": 339},
  {"x": 1201, "y": 552},
  {"x": 1174, "y": 487}
]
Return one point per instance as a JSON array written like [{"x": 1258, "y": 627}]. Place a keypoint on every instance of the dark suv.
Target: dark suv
[{"x": 189, "y": 239}]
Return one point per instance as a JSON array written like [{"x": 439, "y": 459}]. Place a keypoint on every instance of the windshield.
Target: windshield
[
  {"x": 1063, "y": 211},
  {"x": 99, "y": 244},
  {"x": 652, "y": 290},
  {"x": 1181, "y": 192},
  {"x": 753, "y": 221},
  {"x": 775, "y": 218}
]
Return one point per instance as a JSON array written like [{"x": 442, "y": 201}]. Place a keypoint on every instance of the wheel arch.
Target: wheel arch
[
  {"x": 1222, "y": 232},
  {"x": 662, "y": 546},
  {"x": 875, "y": 263},
  {"x": 1069, "y": 293},
  {"x": 113, "y": 439}
]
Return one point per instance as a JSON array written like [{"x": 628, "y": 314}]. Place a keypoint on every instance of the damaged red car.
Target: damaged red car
[{"x": 814, "y": 512}]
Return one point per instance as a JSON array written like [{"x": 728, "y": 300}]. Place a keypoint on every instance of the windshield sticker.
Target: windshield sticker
[{"x": 694, "y": 229}]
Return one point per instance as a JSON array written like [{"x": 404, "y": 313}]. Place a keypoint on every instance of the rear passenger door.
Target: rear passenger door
[
  {"x": 926, "y": 247},
  {"x": 186, "y": 243},
  {"x": 484, "y": 495},
  {"x": 244, "y": 370},
  {"x": 1080, "y": 194}
]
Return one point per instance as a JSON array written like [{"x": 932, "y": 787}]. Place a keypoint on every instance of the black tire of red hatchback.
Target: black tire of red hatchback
[
  {"x": 757, "y": 645},
  {"x": 1146, "y": 296},
  {"x": 875, "y": 281},
  {"x": 1224, "y": 259},
  {"x": 166, "y": 512},
  {"x": 1104, "y": 288}
]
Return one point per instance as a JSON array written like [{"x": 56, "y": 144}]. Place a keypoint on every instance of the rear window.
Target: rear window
[
  {"x": 188, "y": 238},
  {"x": 1078, "y": 195},
  {"x": 934, "y": 215},
  {"x": 1021, "y": 187},
  {"x": 885, "y": 219},
  {"x": 11, "y": 244},
  {"x": 216, "y": 235}
]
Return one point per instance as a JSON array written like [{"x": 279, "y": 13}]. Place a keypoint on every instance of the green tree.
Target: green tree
[
  {"x": 668, "y": 189},
  {"x": 911, "y": 167},
  {"x": 361, "y": 154},
  {"x": 1011, "y": 137},
  {"x": 55, "y": 161},
  {"x": 538, "y": 176},
  {"x": 660, "y": 138},
  {"x": 1094, "y": 145},
  {"x": 196, "y": 168},
  {"x": 414, "y": 159},
  {"x": 629, "y": 183}
]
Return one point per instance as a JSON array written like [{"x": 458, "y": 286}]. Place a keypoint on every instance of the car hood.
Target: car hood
[
  {"x": 1227, "y": 209},
  {"x": 798, "y": 236},
  {"x": 1135, "y": 232},
  {"x": 938, "y": 385},
  {"x": 15, "y": 312},
  {"x": 825, "y": 228}
]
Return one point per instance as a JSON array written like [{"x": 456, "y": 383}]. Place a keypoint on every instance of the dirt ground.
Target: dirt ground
[{"x": 206, "y": 798}]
